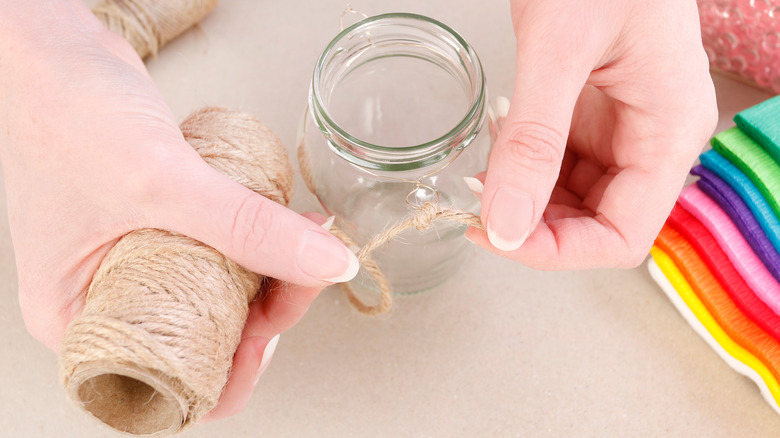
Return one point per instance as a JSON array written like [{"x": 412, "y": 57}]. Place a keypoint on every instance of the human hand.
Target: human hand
[
  {"x": 90, "y": 152},
  {"x": 612, "y": 103}
]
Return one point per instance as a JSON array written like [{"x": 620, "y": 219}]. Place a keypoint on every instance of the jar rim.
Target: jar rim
[{"x": 477, "y": 99}]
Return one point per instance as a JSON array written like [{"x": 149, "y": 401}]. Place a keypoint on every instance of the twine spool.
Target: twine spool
[
  {"x": 149, "y": 24},
  {"x": 164, "y": 313}
]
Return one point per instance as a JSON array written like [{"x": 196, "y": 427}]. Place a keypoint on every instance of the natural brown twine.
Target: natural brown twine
[
  {"x": 150, "y": 24},
  {"x": 164, "y": 313},
  {"x": 423, "y": 217},
  {"x": 152, "y": 350}
]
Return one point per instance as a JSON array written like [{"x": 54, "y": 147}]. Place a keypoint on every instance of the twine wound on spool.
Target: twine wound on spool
[
  {"x": 421, "y": 219},
  {"x": 152, "y": 350},
  {"x": 149, "y": 24}
]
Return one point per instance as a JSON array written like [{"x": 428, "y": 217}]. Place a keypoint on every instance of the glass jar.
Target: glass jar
[{"x": 397, "y": 107}]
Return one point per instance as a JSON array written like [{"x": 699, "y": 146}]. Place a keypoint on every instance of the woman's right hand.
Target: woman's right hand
[{"x": 613, "y": 101}]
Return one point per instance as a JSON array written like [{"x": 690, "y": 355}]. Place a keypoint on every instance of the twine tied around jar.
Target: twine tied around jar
[
  {"x": 424, "y": 216},
  {"x": 421, "y": 217}
]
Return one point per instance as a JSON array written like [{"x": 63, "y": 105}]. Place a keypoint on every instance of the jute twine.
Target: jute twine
[
  {"x": 421, "y": 218},
  {"x": 150, "y": 24},
  {"x": 153, "y": 348}
]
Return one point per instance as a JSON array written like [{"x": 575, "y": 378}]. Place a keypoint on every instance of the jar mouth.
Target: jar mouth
[{"x": 360, "y": 39}]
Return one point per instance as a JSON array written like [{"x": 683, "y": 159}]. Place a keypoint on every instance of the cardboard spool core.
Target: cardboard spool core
[{"x": 130, "y": 402}]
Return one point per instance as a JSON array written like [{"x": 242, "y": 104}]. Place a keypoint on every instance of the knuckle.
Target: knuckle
[
  {"x": 145, "y": 183},
  {"x": 41, "y": 329},
  {"x": 711, "y": 117},
  {"x": 534, "y": 144},
  {"x": 633, "y": 257},
  {"x": 233, "y": 410},
  {"x": 252, "y": 222}
]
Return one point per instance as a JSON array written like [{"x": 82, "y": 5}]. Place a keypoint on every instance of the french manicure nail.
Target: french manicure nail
[
  {"x": 328, "y": 223},
  {"x": 509, "y": 218},
  {"x": 474, "y": 184},
  {"x": 268, "y": 353},
  {"x": 323, "y": 257},
  {"x": 502, "y": 106}
]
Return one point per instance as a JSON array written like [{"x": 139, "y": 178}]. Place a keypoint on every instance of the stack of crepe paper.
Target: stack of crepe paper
[{"x": 718, "y": 255}]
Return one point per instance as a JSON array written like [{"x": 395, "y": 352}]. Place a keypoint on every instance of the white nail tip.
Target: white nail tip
[
  {"x": 491, "y": 113},
  {"x": 268, "y": 353},
  {"x": 474, "y": 184},
  {"x": 502, "y": 106},
  {"x": 328, "y": 224},
  {"x": 503, "y": 244},
  {"x": 350, "y": 273}
]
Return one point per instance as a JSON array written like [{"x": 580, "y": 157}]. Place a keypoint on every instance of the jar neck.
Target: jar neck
[{"x": 398, "y": 35}]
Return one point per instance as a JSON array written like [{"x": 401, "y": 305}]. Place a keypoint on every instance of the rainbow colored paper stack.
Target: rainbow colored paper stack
[{"x": 718, "y": 255}]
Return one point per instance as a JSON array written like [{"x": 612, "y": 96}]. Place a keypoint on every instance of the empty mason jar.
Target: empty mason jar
[{"x": 395, "y": 118}]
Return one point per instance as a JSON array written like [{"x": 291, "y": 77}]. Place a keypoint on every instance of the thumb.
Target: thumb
[
  {"x": 526, "y": 158},
  {"x": 255, "y": 232}
]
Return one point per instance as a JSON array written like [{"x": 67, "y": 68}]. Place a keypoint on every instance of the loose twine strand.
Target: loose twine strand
[{"x": 423, "y": 217}]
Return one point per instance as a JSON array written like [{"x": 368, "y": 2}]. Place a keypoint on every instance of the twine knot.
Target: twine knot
[
  {"x": 426, "y": 214},
  {"x": 423, "y": 217}
]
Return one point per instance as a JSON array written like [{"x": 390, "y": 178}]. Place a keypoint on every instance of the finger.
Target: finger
[
  {"x": 526, "y": 158},
  {"x": 282, "y": 304},
  {"x": 279, "y": 308},
  {"x": 250, "y": 361},
  {"x": 497, "y": 117},
  {"x": 257, "y": 233},
  {"x": 582, "y": 176},
  {"x": 618, "y": 234}
]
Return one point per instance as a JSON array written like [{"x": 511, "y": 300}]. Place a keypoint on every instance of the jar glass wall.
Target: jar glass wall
[{"x": 397, "y": 107}]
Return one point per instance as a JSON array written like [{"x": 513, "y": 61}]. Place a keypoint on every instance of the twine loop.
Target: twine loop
[{"x": 423, "y": 217}]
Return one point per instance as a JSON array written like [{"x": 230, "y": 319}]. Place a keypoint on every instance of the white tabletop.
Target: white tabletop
[{"x": 501, "y": 350}]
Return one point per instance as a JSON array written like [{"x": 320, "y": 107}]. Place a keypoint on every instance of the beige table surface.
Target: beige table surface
[{"x": 501, "y": 350}]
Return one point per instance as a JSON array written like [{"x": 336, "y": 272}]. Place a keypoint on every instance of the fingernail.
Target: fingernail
[
  {"x": 492, "y": 114},
  {"x": 474, "y": 184},
  {"x": 502, "y": 106},
  {"x": 268, "y": 353},
  {"x": 509, "y": 218},
  {"x": 328, "y": 223},
  {"x": 322, "y": 257}
]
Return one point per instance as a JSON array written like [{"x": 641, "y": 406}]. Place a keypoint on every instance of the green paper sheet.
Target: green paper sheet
[
  {"x": 754, "y": 161},
  {"x": 762, "y": 124}
]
